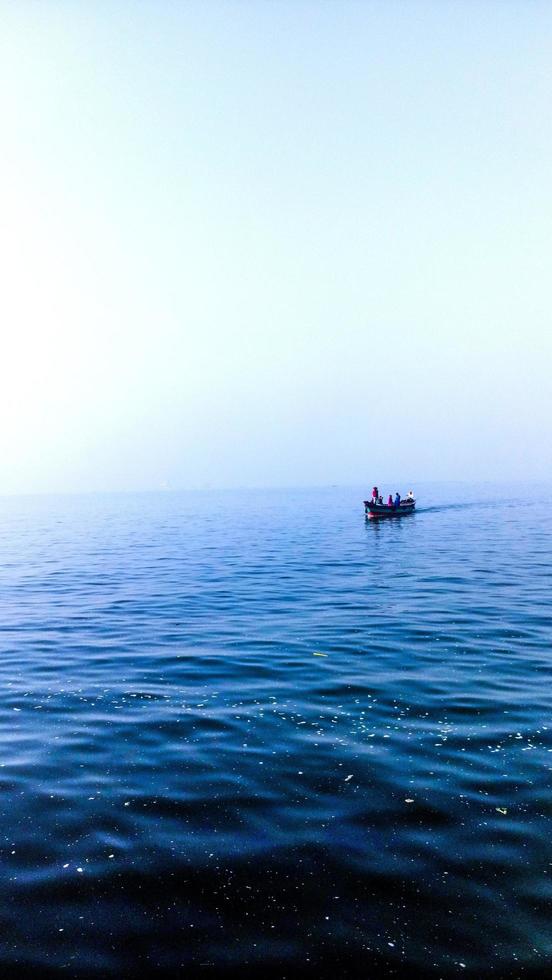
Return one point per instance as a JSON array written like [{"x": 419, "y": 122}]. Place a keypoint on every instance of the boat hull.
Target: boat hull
[{"x": 383, "y": 510}]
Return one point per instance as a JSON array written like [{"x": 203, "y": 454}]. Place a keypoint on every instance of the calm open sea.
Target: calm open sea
[{"x": 252, "y": 734}]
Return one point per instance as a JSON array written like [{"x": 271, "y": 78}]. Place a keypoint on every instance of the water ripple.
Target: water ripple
[{"x": 245, "y": 732}]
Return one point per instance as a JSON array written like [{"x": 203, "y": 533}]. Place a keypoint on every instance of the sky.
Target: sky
[{"x": 274, "y": 243}]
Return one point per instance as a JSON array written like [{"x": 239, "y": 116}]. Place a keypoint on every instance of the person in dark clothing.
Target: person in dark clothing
[{"x": 397, "y": 500}]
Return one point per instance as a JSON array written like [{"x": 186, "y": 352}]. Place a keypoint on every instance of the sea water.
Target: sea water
[{"x": 252, "y": 733}]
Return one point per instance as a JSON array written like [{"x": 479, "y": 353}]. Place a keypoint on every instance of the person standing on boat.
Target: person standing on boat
[
  {"x": 375, "y": 495},
  {"x": 390, "y": 500},
  {"x": 397, "y": 501}
]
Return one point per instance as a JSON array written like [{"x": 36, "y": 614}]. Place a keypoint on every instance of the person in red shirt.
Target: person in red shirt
[
  {"x": 375, "y": 495},
  {"x": 390, "y": 500}
]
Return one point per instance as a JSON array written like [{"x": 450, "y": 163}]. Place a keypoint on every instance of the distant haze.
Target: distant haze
[{"x": 255, "y": 243}]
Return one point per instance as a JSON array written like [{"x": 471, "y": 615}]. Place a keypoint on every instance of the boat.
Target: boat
[{"x": 384, "y": 510}]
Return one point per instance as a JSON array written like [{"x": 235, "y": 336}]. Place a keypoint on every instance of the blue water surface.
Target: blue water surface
[{"x": 250, "y": 733}]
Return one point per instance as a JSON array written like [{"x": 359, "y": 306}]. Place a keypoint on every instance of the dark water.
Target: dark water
[{"x": 188, "y": 787}]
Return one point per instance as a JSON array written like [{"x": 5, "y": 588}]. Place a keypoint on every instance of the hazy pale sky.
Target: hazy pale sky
[{"x": 254, "y": 243}]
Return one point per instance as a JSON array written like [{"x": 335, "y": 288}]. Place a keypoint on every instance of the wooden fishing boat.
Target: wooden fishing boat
[{"x": 384, "y": 510}]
